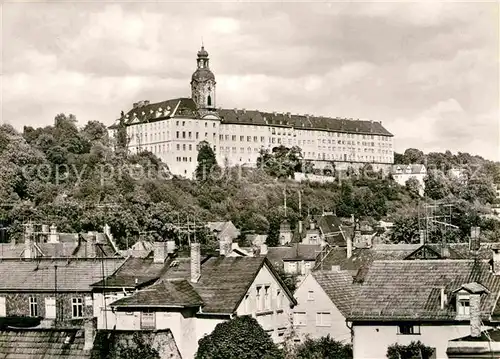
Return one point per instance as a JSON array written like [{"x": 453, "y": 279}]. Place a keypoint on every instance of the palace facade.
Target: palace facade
[{"x": 172, "y": 129}]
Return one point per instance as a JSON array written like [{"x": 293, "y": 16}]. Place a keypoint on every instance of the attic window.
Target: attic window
[{"x": 463, "y": 305}]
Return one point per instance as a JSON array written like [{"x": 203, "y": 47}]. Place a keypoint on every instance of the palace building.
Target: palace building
[{"x": 172, "y": 129}]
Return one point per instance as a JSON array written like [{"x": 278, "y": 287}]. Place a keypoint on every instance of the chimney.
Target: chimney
[
  {"x": 357, "y": 238},
  {"x": 444, "y": 299},
  {"x": 170, "y": 247},
  {"x": 89, "y": 335},
  {"x": 90, "y": 246},
  {"x": 300, "y": 227},
  {"x": 53, "y": 236},
  {"x": 313, "y": 225},
  {"x": 349, "y": 247},
  {"x": 475, "y": 315},
  {"x": 263, "y": 249},
  {"x": 28, "y": 250},
  {"x": 159, "y": 252},
  {"x": 422, "y": 237},
  {"x": 445, "y": 250},
  {"x": 495, "y": 247},
  {"x": 195, "y": 262},
  {"x": 474, "y": 243},
  {"x": 225, "y": 246}
]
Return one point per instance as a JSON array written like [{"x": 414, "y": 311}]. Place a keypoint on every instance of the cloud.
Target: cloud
[{"x": 428, "y": 70}]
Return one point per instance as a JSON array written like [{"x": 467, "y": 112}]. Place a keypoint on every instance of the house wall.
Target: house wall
[
  {"x": 318, "y": 302},
  {"x": 182, "y": 324},
  {"x": 372, "y": 341},
  {"x": 298, "y": 267},
  {"x": 18, "y": 304},
  {"x": 274, "y": 319}
]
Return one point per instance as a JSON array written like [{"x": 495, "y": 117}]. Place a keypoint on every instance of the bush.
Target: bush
[
  {"x": 239, "y": 338},
  {"x": 323, "y": 348}
]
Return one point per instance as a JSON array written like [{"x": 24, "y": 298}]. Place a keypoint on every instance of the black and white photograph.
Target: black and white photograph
[{"x": 249, "y": 179}]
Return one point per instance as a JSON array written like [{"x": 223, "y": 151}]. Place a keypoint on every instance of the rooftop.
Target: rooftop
[
  {"x": 410, "y": 289},
  {"x": 186, "y": 107},
  {"x": 339, "y": 287}
]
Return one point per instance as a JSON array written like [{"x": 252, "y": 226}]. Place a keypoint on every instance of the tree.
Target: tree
[
  {"x": 239, "y": 338},
  {"x": 413, "y": 186},
  {"x": 410, "y": 351},
  {"x": 273, "y": 234},
  {"x": 405, "y": 229},
  {"x": 114, "y": 347},
  {"x": 282, "y": 162},
  {"x": 323, "y": 348},
  {"x": 413, "y": 156},
  {"x": 436, "y": 185},
  {"x": 207, "y": 163}
]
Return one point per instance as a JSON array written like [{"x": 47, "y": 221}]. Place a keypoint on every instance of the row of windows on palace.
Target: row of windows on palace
[
  {"x": 344, "y": 156},
  {"x": 155, "y": 137},
  {"x": 50, "y": 307}
]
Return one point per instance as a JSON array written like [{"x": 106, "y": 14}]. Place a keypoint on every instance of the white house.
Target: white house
[
  {"x": 402, "y": 173},
  {"x": 324, "y": 300},
  {"x": 432, "y": 301},
  {"x": 190, "y": 296}
]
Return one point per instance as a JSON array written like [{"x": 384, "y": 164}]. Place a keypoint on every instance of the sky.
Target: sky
[{"x": 428, "y": 70}]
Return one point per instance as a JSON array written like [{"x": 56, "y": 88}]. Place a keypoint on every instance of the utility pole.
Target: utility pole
[
  {"x": 284, "y": 193},
  {"x": 300, "y": 203}
]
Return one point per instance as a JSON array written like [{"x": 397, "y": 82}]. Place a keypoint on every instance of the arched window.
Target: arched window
[{"x": 209, "y": 100}]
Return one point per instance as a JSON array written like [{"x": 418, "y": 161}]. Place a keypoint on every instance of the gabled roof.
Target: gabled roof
[
  {"x": 410, "y": 289},
  {"x": 43, "y": 274},
  {"x": 186, "y": 107},
  {"x": 165, "y": 293},
  {"x": 135, "y": 272},
  {"x": 43, "y": 344},
  {"x": 223, "y": 283},
  {"x": 339, "y": 287}
]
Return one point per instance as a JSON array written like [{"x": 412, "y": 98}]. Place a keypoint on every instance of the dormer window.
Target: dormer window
[{"x": 463, "y": 305}]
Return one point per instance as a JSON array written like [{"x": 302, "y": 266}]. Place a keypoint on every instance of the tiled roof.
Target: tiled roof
[
  {"x": 339, "y": 287},
  {"x": 330, "y": 226},
  {"x": 165, "y": 293},
  {"x": 186, "y": 107},
  {"x": 42, "y": 344},
  {"x": 135, "y": 272},
  {"x": 295, "y": 252},
  {"x": 223, "y": 282},
  {"x": 42, "y": 274},
  {"x": 410, "y": 289}
]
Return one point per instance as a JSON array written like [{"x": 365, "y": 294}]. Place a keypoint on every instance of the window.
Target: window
[
  {"x": 33, "y": 307},
  {"x": 258, "y": 298},
  {"x": 189, "y": 134},
  {"x": 408, "y": 329},
  {"x": 178, "y": 147},
  {"x": 77, "y": 307},
  {"x": 463, "y": 307},
  {"x": 267, "y": 297},
  {"x": 183, "y": 123},
  {"x": 50, "y": 308},
  {"x": 190, "y": 147},
  {"x": 310, "y": 295},
  {"x": 299, "y": 318},
  {"x": 279, "y": 299},
  {"x": 209, "y": 101},
  {"x": 242, "y": 138},
  {"x": 183, "y": 134},
  {"x": 177, "y": 132},
  {"x": 323, "y": 319},
  {"x": 196, "y": 135},
  {"x": 148, "y": 320}
]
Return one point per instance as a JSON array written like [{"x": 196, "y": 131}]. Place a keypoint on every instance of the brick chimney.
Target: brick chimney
[
  {"x": 89, "y": 334},
  {"x": 475, "y": 315},
  {"x": 28, "y": 245},
  {"x": 159, "y": 252},
  {"x": 422, "y": 237},
  {"x": 349, "y": 247},
  {"x": 224, "y": 246},
  {"x": 53, "y": 236},
  {"x": 195, "y": 262}
]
